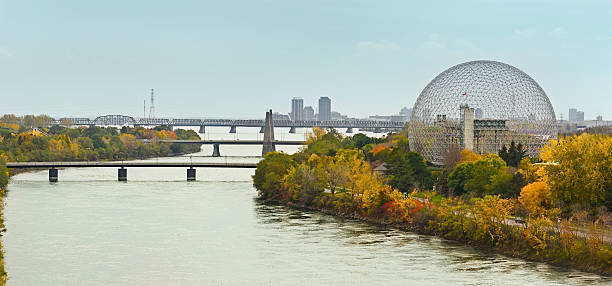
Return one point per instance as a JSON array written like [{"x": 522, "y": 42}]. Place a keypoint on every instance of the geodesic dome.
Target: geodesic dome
[{"x": 481, "y": 106}]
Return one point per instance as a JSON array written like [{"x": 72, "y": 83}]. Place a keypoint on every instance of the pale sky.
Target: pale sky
[{"x": 235, "y": 59}]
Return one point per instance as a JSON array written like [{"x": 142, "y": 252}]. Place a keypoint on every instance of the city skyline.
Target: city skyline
[{"x": 239, "y": 59}]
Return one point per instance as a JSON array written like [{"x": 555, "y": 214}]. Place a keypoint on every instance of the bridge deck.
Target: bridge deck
[
  {"x": 127, "y": 164},
  {"x": 230, "y": 142}
]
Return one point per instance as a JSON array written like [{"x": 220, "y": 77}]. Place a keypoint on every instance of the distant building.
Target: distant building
[
  {"x": 580, "y": 116},
  {"x": 478, "y": 113},
  {"x": 599, "y": 118},
  {"x": 297, "y": 109},
  {"x": 309, "y": 113},
  {"x": 393, "y": 118},
  {"x": 572, "y": 115},
  {"x": 403, "y": 116},
  {"x": 381, "y": 169},
  {"x": 338, "y": 116},
  {"x": 279, "y": 116},
  {"x": 406, "y": 112},
  {"x": 324, "y": 109}
]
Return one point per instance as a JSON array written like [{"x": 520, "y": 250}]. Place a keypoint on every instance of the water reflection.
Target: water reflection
[{"x": 412, "y": 253}]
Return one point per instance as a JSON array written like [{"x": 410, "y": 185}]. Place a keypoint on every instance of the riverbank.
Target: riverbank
[
  {"x": 4, "y": 178},
  {"x": 429, "y": 226},
  {"x": 479, "y": 200}
]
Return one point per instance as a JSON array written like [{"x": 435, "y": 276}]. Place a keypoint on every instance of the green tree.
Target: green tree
[
  {"x": 459, "y": 177},
  {"x": 513, "y": 154},
  {"x": 270, "y": 172},
  {"x": 407, "y": 171}
]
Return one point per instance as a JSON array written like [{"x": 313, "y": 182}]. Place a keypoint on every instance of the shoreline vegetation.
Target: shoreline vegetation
[
  {"x": 553, "y": 211},
  {"x": 30, "y": 139}
]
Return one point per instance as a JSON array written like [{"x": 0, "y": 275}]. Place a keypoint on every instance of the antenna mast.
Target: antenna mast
[{"x": 152, "y": 107}]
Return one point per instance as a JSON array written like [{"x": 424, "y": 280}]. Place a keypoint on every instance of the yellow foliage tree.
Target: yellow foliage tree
[
  {"x": 468, "y": 156},
  {"x": 535, "y": 197},
  {"x": 578, "y": 170},
  {"x": 316, "y": 134},
  {"x": 530, "y": 172}
]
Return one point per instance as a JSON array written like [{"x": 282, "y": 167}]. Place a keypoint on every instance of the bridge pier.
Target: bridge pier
[
  {"x": 233, "y": 129},
  {"x": 122, "y": 174},
  {"x": 377, "y": 130},
  {"x": 262, "y": 129},
  {"x": 202, "y": 129},
  {"x": 268, "y": 141},
  {"x": 292, "y": 129},
  {"x": 349, "y": 130},
  {"x": 191, "y": 174},
  {"x": 216, "y": 152},
  {"x": 53, "y": 175}
]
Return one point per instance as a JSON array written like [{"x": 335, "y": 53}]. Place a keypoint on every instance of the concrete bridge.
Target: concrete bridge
[
  {"x": 121, "y": 165},
  {"x": 217, "y": 143},
  {"x": 123, "y": 120}
]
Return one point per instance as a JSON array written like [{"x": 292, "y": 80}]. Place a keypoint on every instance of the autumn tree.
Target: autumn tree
[
  {"x": 469, "y": 156},
  {"x": 536, "y": 198},
  {"x": 578, "y": 170},
  {"x": 451, "y": 157}
]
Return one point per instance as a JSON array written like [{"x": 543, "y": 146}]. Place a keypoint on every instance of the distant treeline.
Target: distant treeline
[{"x": 59, "y": 143}]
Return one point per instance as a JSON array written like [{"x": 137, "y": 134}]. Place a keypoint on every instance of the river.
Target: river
[{"x": 158, "y": 229}]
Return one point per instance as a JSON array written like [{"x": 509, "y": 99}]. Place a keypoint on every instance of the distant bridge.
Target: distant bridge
[
  {"x": 122, "y": 171},
  {"x": 217, "y": 143},
  {"x": 229, "y": 142},
  {"x": 123, "y": 120}
]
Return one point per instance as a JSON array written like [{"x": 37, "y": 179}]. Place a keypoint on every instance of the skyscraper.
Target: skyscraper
[
  {"x": 309, "y": 113},
  {"x": 580, "y": 116},
  {"x": 324, "y": 108},
  {"x": 297, "y": 109},
  {"x": 572, "y": 114}
]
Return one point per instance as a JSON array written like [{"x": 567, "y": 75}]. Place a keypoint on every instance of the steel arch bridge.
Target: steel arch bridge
[{"x": 114, "y": 120}]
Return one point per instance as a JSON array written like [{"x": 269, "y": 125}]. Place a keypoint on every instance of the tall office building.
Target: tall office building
[
  {"x": 309, "y": 113},
  {"x": 580, "y": 116},
  {"x": 324, "y": 108},
  {"x": 572, "y": 114},
  {"x": 297, "y": 109}
]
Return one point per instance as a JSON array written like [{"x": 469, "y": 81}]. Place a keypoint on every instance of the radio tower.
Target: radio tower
[{"x": 152, "y": 107}]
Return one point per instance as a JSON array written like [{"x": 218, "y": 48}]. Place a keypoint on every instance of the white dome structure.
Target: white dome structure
[{"x": 481, "y": 106}]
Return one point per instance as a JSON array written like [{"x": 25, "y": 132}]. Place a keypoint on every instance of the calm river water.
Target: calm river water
[{"x": 157, "y": 229}]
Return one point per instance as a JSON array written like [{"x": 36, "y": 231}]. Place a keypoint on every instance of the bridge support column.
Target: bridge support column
[
  {"x": 377, "y": 130},
  {"x": 262, "y": 129},
  {"x": 202, "y": 129},
  {"x": 216, "y": 152},
  {"x": 191, "y": 174},
  {"x": 349, "y": 130},
  {"x": 122, "y": 174},
  {"x": 268, "y": 141},
  {"x": 233, "y": 129},
  {"x": 292, "y": 129},
  {"x": 53, "y": 175}
]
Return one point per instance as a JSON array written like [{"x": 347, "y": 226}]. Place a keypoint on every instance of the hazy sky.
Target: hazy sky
[{"x": 237, "y": 58}]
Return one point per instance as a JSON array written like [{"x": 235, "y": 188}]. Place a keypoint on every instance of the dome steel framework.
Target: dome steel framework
[{"x": 480, "y": 106}]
